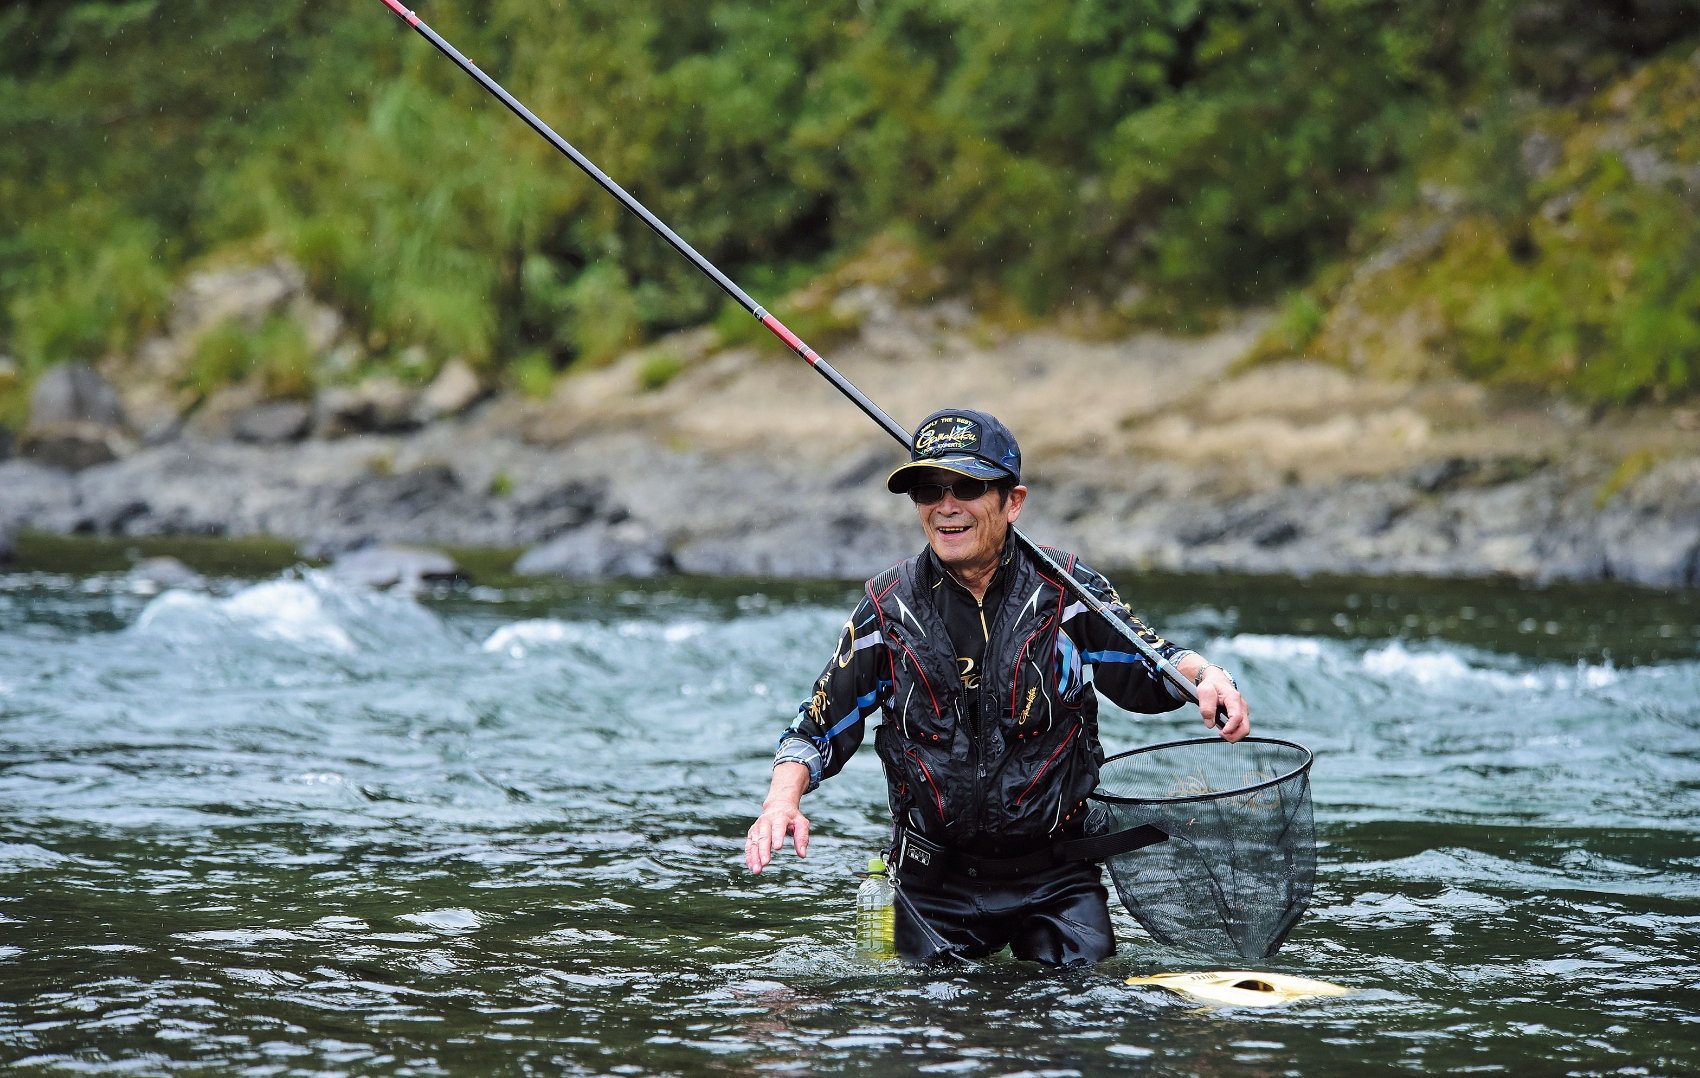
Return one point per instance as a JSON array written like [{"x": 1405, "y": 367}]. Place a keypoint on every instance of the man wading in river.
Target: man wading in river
[{"x": 975, "y": 658}]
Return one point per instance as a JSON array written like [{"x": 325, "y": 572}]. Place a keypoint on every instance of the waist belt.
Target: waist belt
[{"x": 920, "y": 861}]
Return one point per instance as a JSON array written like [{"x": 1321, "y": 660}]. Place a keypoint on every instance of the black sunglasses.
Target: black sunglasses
[{"x": 966, "y": 490}]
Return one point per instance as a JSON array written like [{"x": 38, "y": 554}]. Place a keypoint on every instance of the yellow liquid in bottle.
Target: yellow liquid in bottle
[{"x": 876, "y": 917}]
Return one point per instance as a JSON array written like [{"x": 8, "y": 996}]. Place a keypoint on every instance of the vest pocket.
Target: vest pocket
[
  {"x": 1031, "y": 706},
  {"x": 911, "y": 780},
  {"x": 921, "y": 702},
  {"x": 1046, "y": 794}
]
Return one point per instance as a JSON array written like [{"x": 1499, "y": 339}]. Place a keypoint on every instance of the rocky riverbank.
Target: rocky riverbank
[{"x": 1147, "y": 452}]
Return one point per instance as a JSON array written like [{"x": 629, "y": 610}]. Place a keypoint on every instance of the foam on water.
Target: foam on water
[
  {"x": 546, "y": 632},
  {"x": 312, "y": 612},
  {"x": 1424, "y": 668},
  {"x": 28, "y": 853},
  {"x": 538, "y": 631},
  {"x": 290, "y": 611}
]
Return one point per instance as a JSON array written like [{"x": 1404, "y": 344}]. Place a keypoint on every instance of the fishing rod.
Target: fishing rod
[{"x": 792, "y": 341}]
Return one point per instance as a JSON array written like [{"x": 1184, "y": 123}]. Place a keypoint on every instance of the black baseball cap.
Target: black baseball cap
[{"x": 963, "y": 441}]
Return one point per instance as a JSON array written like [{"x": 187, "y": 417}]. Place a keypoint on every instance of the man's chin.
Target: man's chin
[{"x": 953, "y": 547}]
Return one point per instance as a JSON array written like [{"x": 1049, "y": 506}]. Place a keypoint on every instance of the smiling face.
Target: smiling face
[{"x": 968, "y": 536}]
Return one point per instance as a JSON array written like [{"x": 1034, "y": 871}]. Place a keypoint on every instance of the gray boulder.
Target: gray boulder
[
  {"x": 73, "y": 393},
  {"x": 377, "y": 405},
  {"x": 848, "y": 546},
  {"x": 452, "y": 392},
  {"x": 386, "y": 566},
  {"x": 389, "y": 500},
  {"x": 548, "y": 511},
  {"x": 75, "y": 420},
  {"x": 1651, "y": 532},
  {"x": 274, "y": 421},
  {"x": 247, "y": 294},
  {"x": 599, "y": 551},
  {"x": 71, "y": 447}
]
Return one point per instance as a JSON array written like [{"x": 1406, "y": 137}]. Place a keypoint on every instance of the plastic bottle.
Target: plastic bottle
[{"x": 876, "y": 915}]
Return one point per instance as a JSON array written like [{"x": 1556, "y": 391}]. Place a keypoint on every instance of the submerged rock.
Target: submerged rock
[
  {"x": 599, "y": 551},
  {"x": 386, "y": 566}
]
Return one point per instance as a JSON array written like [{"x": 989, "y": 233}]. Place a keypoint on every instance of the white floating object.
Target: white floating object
[{"x": 1243, "y": 988}]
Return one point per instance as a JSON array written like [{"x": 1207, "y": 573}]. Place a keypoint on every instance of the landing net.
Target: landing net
[{"x": 1240, "y": 864}]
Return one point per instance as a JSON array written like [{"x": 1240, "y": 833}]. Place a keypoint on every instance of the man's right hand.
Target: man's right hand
[{"x": 780, "y": 816}]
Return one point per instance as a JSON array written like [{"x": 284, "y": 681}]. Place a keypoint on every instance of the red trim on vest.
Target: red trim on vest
[
  {"x": 1047, "y": 766},
  {"x": 937, "y": 797}
]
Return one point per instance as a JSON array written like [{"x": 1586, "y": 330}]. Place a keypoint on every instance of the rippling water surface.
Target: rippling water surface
[{"x": 287, "y": 827}]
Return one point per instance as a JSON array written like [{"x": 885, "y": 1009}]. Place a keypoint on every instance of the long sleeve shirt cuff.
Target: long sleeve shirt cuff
[
  {"x": 1175, "y": 661},
  {"x": 797, "y": 750}
]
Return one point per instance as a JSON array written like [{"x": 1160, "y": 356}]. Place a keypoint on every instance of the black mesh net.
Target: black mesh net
[{"x": 1240, "y": 863}]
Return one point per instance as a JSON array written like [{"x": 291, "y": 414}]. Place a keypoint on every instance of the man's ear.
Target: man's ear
[{"x": 1012, "y": 508}]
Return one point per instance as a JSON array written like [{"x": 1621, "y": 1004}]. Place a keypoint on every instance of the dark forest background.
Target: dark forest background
[{"x": 1157, "y": 161}]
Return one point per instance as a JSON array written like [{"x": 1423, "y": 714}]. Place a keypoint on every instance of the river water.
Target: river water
[{"x": 282, "y": 826}]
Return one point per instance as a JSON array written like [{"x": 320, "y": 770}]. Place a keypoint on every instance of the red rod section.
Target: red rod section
[
  {"x": 412, "y": 19},
  {"x": 791, "y": 340}
]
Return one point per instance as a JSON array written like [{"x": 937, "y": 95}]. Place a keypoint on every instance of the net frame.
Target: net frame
[
  {"x": 1223, "y": 889},
  {"x": 1213, "y": 795}
]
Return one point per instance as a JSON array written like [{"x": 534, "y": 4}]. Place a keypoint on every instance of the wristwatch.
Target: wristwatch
[{"x": 1199, "y": 680}]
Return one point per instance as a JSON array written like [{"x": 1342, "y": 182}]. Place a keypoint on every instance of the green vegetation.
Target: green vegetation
[
  {"x": 1210, "y": 152},
  {"x": 253, "y": 556},
  {"x": 533, "y": 373},
  {"x": 657, "y": 370},
  {"x": 277, "y": 351},
  {"x": 1565, "y": 253}
]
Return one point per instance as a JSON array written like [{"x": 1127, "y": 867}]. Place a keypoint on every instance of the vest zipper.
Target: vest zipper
[
  {"x": 980, "y": 686},
  {"x": 980, "y": 711}
]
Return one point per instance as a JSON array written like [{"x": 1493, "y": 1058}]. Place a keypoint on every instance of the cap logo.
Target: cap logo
[{"x": 947, "y": 434}]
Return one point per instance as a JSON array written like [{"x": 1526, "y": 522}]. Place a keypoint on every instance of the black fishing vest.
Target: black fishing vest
[{"x": 1001, "y": 769}]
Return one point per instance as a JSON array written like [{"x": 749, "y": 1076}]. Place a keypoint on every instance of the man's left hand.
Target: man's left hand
[{"x": 1216, "y": 688}]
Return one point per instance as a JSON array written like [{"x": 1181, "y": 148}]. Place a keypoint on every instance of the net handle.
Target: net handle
[{"x": 1117, "y": 799}]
